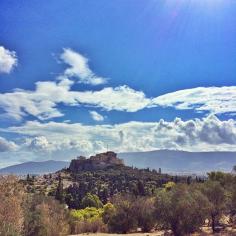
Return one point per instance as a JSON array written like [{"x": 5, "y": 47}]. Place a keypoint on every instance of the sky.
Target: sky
[{"x": 78, "y": 77}]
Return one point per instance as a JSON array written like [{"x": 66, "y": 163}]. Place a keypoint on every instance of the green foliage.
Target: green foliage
[
  {"x": 169, "y": 185},
  {"x": 112, "y": 180},
  {"x": 89, "y": 213},
  {"x": 223, "y": 178},
  {"x": 182, "y": 209},
  {"x": 91, "y": 200},
  {"x": 59, "y": 191},
  {"x": 132, "y": 199},
  {"x": 108, "y": 211},
  {"x": 44, "y": 216},
  {"x": 145, "y": 213},
  {"x": 216, "y": 196},
  {"x": 87, "y": 220},
  {"x": 123, "y": 218}
]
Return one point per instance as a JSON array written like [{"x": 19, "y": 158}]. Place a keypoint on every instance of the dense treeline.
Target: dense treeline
[
  {"x": 182, "y": 207},
  {"x": 113, "y": 180}
]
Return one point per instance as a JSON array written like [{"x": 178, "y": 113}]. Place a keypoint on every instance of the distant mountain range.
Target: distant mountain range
[
  {"x": 181, "y": 161},
  {"x": 168, "y": 161},
  {"x": 38, "y": 168}
]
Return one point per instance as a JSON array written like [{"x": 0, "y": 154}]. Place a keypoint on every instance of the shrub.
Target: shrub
[
  {"x": 87, "y": 213},
  {"x": 108, "y": 211},
  {"x": 169, "y": 185},
  {"x": 87, "y": 220},
  {"x": 123, "y": 219},
  {"x": 93, "y": 225}
]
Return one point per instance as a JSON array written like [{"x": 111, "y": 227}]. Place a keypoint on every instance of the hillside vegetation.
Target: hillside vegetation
[{"x": 111, "y": 197}]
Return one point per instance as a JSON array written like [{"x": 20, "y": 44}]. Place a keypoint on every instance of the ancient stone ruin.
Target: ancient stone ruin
[{"x": 97, "y": 162}]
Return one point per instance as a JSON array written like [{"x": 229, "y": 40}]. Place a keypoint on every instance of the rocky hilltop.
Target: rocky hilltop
[{"x": 97, "y": 162}]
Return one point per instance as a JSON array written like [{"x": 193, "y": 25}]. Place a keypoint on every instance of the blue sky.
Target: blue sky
[{"x": 106, "y": 66}]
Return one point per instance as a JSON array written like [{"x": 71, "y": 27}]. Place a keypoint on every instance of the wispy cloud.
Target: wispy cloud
[
  {"x": 214, "y": 100},
  {"x": 79, "y": 68},
  {"x": 96, "y": 116},
  {"x": 8, "y": 60}
]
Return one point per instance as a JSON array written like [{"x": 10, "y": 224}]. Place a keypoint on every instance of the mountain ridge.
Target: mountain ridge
[
  {"x": 35, "y": 167},
  {"x": 170, "y": 161}
]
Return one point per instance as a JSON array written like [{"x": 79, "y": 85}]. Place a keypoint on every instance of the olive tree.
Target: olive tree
[{"x": 181, "y": 209}]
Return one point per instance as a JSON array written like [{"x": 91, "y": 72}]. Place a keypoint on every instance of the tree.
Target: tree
[
  {"x": 181, "y": 209},
  {"x": 141, "y": 189},
  {"x": 232, "y": 205},
  {"x": 145, "y": 213},
  {"x": 91, "y": 200},
  {"x": 216, "y": 196},
  {"x": 11, "y": 211},
  {"x": 44, "y": 216},
  {"x": 59, "y": 191}
]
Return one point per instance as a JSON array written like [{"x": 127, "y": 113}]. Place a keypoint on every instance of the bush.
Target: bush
[
  {"x": 87, "y": 214},
  {"x": 108, "y": 211},
  {"x": 93, "y": 225},
  {"x": 87, "y": 220},
  {"x": 123, "y": 219}
]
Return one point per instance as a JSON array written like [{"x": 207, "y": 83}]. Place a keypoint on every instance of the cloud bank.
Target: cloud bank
[{"x": 207, "y": 134}]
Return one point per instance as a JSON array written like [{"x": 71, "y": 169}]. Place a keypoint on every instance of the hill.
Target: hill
[
  {"x": 104, "y": 175},
  {"x": 35, "y": 167},
  {"x": 181, "y": 161}
]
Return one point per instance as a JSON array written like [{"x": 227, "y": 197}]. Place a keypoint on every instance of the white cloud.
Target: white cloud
[
  {"x": 39, "y": 143},
  {"x": 96, "y": 116},
  {"x": 207, "y": 134},
  {"x": 214, "y": 100},
  {"x": 7, "y": 146},
  {"x": 79, "y": 68},
  {"x": 8, "y": 60},
  {"x": 121, "y": 98},
  {"x": 42, "y": 102}
]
